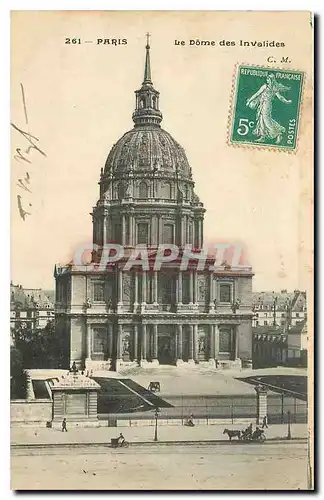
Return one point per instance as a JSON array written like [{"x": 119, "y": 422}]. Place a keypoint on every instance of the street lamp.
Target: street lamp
[
  {"x": 156, "y": 423},
  {"x": 289, "y": 429}
]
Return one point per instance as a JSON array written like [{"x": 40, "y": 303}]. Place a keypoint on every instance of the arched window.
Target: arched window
[
  {"x": 143, "y": 190},
  {"x": 142, "y": 103},
  {"x": 121, "y": 191},
  {"x": 168, "y": 233},
  {"x": 167, "y": 190},
  {"x": 154, "y": 102}
]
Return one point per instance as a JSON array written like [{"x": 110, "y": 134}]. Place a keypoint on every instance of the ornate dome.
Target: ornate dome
[{"x": 147, "y": 148}]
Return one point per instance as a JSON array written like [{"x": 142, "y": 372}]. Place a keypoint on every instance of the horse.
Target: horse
[{"x": 232, "y": 434}]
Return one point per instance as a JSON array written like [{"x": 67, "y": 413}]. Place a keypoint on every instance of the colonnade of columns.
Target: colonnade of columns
[
  {"x": 188, "y": 230},
  {"x": 144, "y": 342},
  {"x": 151, "y": 296}
]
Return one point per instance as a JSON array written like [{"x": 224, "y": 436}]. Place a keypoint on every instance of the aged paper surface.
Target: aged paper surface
[{"x": 236, "y": 92}]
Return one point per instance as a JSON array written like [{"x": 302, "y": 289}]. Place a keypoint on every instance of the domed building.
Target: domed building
[{"x": 114, "y": 314}]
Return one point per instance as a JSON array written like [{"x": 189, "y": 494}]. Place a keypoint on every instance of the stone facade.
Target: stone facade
[{"x": 119, "y": 314}]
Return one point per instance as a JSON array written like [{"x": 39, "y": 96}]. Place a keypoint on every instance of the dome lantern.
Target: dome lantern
[{"x": 147, "y": 98}]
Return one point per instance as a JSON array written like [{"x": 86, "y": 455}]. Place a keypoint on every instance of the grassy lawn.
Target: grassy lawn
[{"x": 283, "y": 383}]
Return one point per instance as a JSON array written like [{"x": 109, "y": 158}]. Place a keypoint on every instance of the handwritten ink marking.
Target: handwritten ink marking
[
  {"x": 30, "y": 138},
  {"x": 24, "y": 102},
  {"x": 22, "y": 155},
  {"x": 26, "y": 181},
  {"x": 22, "y": 212}
]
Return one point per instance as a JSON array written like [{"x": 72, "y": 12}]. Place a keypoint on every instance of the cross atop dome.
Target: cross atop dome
[{"x": 147, "y": 69}]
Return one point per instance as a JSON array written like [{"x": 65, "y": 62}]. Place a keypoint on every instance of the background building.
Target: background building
[
  {"x": 279, "y": 328},
  {"x": 114, "y": 315},
  {"x": 283, "y": 308},
  {"x": 29, "y": 307}
]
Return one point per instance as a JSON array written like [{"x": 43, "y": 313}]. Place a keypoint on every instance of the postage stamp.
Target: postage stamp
[{"x": 266, "y": 107}]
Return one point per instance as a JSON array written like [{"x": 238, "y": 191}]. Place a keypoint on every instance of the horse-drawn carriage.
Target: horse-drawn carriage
[{"x": 246, "y": 435}]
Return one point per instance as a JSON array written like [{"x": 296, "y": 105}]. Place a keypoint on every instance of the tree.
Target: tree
[
  {"x": 18, "y": 376},
  {"x": 39, "y": 348}
]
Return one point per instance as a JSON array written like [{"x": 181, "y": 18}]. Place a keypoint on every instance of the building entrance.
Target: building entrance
[{"x": 166, "y": 349}]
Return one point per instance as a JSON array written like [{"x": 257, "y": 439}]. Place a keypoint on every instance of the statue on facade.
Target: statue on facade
[
  {"x": 125, "y": 346},
  {"x": 88, "y": 303},
  {"x": 236, "y": 305},
  {"x": 128, "y": 190},
  {"x": 202, "y": 290},
  {"x": 201, "y": 345}
]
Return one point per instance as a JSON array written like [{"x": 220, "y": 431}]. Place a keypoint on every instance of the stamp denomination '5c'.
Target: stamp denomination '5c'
[{"x": 266, "y": 107}]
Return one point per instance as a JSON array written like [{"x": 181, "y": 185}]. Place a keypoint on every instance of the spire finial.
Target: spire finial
[{"x": 147, "y": 69}]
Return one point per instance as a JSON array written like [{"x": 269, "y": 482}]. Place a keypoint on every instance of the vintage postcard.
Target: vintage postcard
[{"x": 161, "y": 295}]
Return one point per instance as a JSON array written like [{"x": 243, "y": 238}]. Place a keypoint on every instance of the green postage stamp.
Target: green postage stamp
[{"x": 266, "y": 107}]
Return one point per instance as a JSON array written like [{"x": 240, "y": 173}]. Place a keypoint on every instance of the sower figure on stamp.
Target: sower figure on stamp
[
  {"x": 266, "y": 126},
  {"x": 64, "y": 425}
]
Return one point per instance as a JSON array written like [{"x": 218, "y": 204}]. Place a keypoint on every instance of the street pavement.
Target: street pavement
[
  {"x": 145, "y": 434},
  {"x": 201, "y": 467}
]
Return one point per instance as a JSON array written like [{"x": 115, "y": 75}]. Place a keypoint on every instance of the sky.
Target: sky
[{"x": 77, "y": 100}]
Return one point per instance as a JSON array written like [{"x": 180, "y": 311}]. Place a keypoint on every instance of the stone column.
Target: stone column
[
  {"x": 88, "y": 337},
  {"x": 123, "y": 230},
  {"x": 211, "y": 353},
  {"x": 195, "y": 287},
  {"x": 195, "y": 342},
  {"x": 119, "y": 342},
  {"x": 191, "y": 287},
  {"x": 262, "y": 403},
  {"x": 216, "y": 341},
  {"x": 155, "y": 287},
  {"x": 131, "y": 230},
  {"x": 179, "y": 286},
  {"x": 236, "y": 342},
  {"x": 144, "y": 274},
  {"x": 154, "y": 231},
  {"x": 135, "y": 291},
  {"x": 180, "y": 344},
  {"x": 211, "y": 294},
  {"x": 110, "y": 340},
  {"x": 105, "y": 235},
  {"x": 144, "y": 344},
  {"x": 155, "y": 344},
  {"x": 199, "y": 233},
  {"x": 191, "y": 344},
  {"x": 120, "y": 287},
  {"x": 180, "y": 231},
  {"x": 135, "y": 343},
  {"x": 160, "y": 232},
  {"x": 193, "y": 232}
]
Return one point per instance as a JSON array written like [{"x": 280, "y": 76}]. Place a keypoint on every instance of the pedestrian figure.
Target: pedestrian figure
[
  {"x": 190, "y": 421},
  {"x": 265, "y": 422},
  {"x": 64, "y": 425}
]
